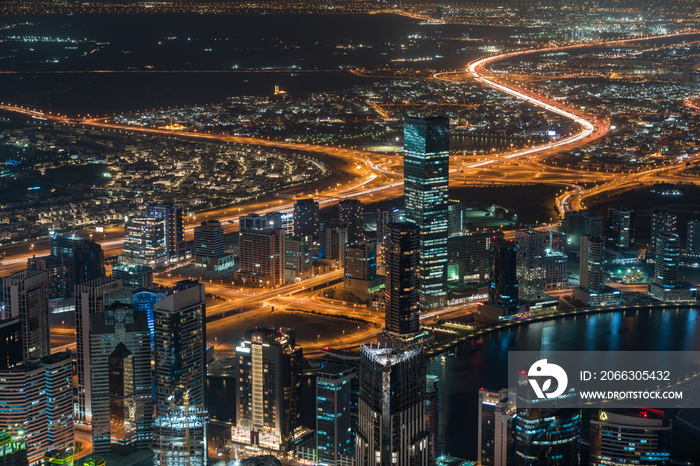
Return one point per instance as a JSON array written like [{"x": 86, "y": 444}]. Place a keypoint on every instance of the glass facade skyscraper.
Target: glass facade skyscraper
[
  {"x": 426, "y": 180},
  {"x": 334, "y": 433}
]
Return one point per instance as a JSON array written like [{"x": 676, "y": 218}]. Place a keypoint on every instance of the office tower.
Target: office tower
[
  {"x": 145, "y": 300},
  {"x": 133, "y": 276},
  {"x": 555, "y": 270},
  {"x": 60, "y": 285},
  {"x": 668, "y": 253},
  {"x": 144, "y": 243},
  {"x": 661, "y": 222},
  {"x": 332, "y": 239},
  {"x": 426, "y": 180},
  {"x": 180, "y": 342},
  {"x": 470, "y": 256},
  {"x": 252, "y": 222},
  {"x": 27, "y": 393},
  {"x": 385, "y": 216},
  {"x": 495, "y": 434},
  {"x": 89, "y": 299},
  {"x": 391, "y": 427},
  {"x": 11, "y": 348},
  {"x": 119, "y": 324},
  {"x": 532, "y": 276},
  {"x": 262, "y": 259},
  {"x": 350, "y": 213},
  {"x": 334, "y": 434},
  {"x": 180, "y": 437},
  {"x": 298, "y": 258},
  {"x": 58, "y": 374},
  {"x": 630, "y": 437},
  {"x": 432, "y": 417},
  {"x": 208, "y": 247},
  {"x": 621, "y": 223},
  {"x": 592, "y": 267},
  {"x": 577, "y": 224},
  {"x": 503, "y": 287},
  {"x": 693, "y": 238},
  {"x": 13, "y": 450},
  {"x": 456, "y": 220},
  {"x": 401, "y": 253},
  {"x": 269, "y": 395},
  {"x": 306, "y": 218},
  {"x": 361, "y": 267},
  {"x": 547, "y": 436},
  {"x": 84, "y": 260},
  {"x": 174, "y": 226},
  {"x": 26, "y": 298},
  {"x": 122, "y": 400}
]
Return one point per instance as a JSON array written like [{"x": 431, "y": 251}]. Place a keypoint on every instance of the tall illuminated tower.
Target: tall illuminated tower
[{"x": 426, "y": 180}]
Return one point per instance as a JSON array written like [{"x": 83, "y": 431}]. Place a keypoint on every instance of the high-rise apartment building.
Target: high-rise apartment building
[
  {"x": 37, "y": 400},
  {"x": 60, "y": 285},
  {"x": 11, "y": 350},
  {"x": 208, "y": 247},
  {"x": 426, "y": 182},
  {"x": 470, "y": 256},
  {"x": 592, "y": 267},
  {"x": 120, "y": 332},
  {"x": 350, "y": 213},
  {"x": 621, "y": 224},
  {"x": 335, "y": 437},
  {"x": 577, "y": 224},
  {"x": 693, "y": 238},
  {"x": 133, "y": 276},
  {"x": 547, "y": 436},
  {"x": 89, "y": 299},
  {"x": 298, "y": 258},
  {"x": 180, "y": 342},
  {"x": 532, "y": 276},
  {"x": 456, "y": 219},
  {"x": 332, "y": 240},
  {"x": 84, "y": 260},
  {"x": 391, "y": 424},
  {"x": 306, "y": 218},
  {"x": 555, "y": 270},
  {"x": 145, "y": 243},
  {"x": 661, "y": 222},
  {"x": 26, "y": 298},
  {"x": 173, "y": 219},
  {"x": 385, "y": 216},
  {"x": 495, "y": 433},
  {"x": 401, "y": 255},
  {"x": 503, "y": 286},
  {"x": 667, "y": 260},
  {"x": 637, "y": 436},
  {"x": 432, "y": 417},
  {"x": 262, "y": 260},
  {"x": 269, "y": 395}
]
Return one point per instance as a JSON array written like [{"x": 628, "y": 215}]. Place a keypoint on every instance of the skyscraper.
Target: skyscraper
[
  {"x": 58, "y": 375},
  {"x": 661, "y": 222},
  {"x": 133, "y": 276},
  {"x": 89, "y": 299},
  {"x": 11, "y": 349},
  {"x": 350, "y": 213},
  {"x": 180, "y": 437},
  {"x": 385, "y": 216},
  {"x": 262, "y": 259},
  {"x": 621, "y": 223},
  {"x": 180, "y": 341},
  {"x": 334, "y": 434},
  {"x": 174, "y": 226},
  {"x": 298, "y": 258},
  {"x": 532, "y": 276},
  {"x": 332, "y": 240},
  {"x": 306, "y": 218},
  {"x": 144, "y": 243},
  {"x": 208, "y": 247},
  {"x": 547, "y": 436},
  {"x": 667, "y": 261},
  {"x": 693, "y": 238},
  {"x": 401, "y": 254},
  {"x": 592, "y": 267},
  {"x": 269, "y": 395},
  {"x": 426, "y": 182},
  {"x": 26, "y": 298},
  {"x": 503, "y": 287},
  {"x": 432, "y": 417},
  {"x": 361, "y": 267},
  {"x": 84, "y": 259},
  {"x": 391, "y": 425},
  {"x": 456, "y": 220},
  {"x": 495, "y": 433},
  {"x": 630, "y": 437},
  {"x": 113, "y": 430}
]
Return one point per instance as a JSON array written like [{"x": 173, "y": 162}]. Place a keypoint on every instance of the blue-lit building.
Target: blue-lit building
[
  {"x": 640, "y": 436},
  {"x": 145, "y": 300},
  {"x": 426, "y": 181},
  {"x": 335, "y": 437},
  {"x": 547, "y": 436}
]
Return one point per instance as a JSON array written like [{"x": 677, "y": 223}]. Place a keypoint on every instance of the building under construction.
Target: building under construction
[{"x": 180, "y": 437}]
